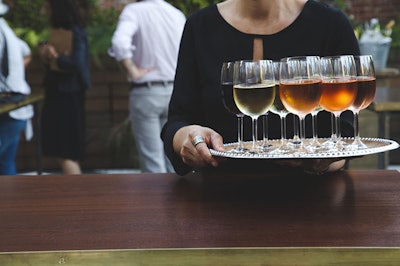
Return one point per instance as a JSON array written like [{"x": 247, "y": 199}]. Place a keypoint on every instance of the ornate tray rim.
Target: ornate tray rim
[{"x": 387, "y": 146}]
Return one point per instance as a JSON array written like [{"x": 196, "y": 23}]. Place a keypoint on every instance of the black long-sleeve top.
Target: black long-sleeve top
[{"x": 208, "y": 40}]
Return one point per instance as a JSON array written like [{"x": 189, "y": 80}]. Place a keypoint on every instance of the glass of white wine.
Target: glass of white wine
[{"x": 254, "y": 91}]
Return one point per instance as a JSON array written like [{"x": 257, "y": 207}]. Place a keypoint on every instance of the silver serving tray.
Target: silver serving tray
[{"x": 374, "y": 145}]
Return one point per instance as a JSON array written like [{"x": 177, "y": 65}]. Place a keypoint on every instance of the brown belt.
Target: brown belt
[
  {"x": 7, "y": 94},
  {"x": 11, "y": 97},
  {"x": 150, "y": 84}
]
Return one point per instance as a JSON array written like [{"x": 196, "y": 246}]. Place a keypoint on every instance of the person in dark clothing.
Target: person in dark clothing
[
  {"x": 235, "y": 30},
  {"x": 66, "y": 80}
]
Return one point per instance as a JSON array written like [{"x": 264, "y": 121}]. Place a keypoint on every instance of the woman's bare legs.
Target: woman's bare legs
[{"x": 70, "y": 167}]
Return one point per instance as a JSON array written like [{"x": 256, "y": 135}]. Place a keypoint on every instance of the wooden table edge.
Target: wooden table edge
[{"x": 209, "y": 256}]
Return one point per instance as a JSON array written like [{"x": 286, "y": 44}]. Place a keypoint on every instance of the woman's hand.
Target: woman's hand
[
  {"x": 51, "y": 52},
  {"x": 47, "y": 52},
  {"x": 315, "y": 166},
  {"x": 42, "y": 49},
  {"x": 192, "y": 144}
]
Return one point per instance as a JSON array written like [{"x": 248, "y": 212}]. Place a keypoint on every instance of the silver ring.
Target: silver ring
[{"x": 197, "y": 139}]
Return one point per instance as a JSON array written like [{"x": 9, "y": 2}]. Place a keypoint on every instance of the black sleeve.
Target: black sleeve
[{"x": 181, "y": 107}]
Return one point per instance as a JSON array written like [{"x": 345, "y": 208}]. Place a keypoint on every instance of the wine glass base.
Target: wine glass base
[
  {"x": 334, "y": 145},
  {"x": 357, "y": 145},
  {"x": 267, "y": 147},
  {"x": 297, "y": 147},
  {"x": 239, "y": 150},
  {"x": 282, "y": 149},
  {"x": 315, "y": 146}
]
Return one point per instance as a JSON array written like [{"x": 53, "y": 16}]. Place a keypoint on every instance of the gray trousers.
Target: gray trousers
[{"x": 148, "y": 110}]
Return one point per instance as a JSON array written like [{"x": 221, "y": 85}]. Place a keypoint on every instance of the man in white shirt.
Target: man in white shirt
[
  {"x": 14, "y": 56},
  {"x": 146, "y": 42}
]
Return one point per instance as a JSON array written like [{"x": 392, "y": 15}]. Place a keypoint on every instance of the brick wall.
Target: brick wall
[{"x": 364, "y": 10}]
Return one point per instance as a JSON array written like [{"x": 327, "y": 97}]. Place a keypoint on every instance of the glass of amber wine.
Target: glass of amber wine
[
  {"x": 300, "y": 91},
  {"x": 366, "y": 83},
  {"x": 229, "y": 103},
  {"x": 254, "y": 91},
  {"x": 339, "y": 90}
]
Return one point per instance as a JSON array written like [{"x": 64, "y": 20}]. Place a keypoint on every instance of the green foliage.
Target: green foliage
[
  {"x": 396, "y": 36},
  {"x": 30, "y": 23},
  {"x": 26, "y": 14},
  {"x": 28, "y": 20},
  {"x": 100, "y": 29},
  {"x": 189, "y": 6}
]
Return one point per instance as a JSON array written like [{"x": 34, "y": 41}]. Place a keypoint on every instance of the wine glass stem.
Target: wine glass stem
[
  {"x": 254, "y": 132},
  {"x": 356, "y": 128},
  {"x": 302, "y": 129},
  {"x": 296, "y": 139},
  {"x": 337, "y": 134},
  {"x": 334, "y": 127},
  {"x": 314, "y": 126},
  {"x": 265, "y": 130},
  {"x": 240, "y": 131},
  {"x": 283, "y": 128}
]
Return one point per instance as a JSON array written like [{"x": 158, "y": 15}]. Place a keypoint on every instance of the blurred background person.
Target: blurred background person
[
  {"x": 66, "y": 80},
  {"x": 15, "y": 55},
  {"x": 146, "y": 42}
]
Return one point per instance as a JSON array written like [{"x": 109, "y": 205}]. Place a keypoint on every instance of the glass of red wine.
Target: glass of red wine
[
  {"x": 229, "y": 103},
  {"x": 366, "y": 83}
]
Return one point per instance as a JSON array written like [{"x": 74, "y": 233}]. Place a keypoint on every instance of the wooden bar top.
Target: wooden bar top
[{"x": 166, "y": 211}]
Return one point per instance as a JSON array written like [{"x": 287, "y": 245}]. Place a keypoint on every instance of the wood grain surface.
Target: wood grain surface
[{"x": 166, "y": 211}]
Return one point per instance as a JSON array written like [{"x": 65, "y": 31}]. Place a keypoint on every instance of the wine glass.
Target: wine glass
[
  {"x": 266, "y": 145},
  {"x": 253, "y": 91},
  {"x": 229, "y": 103},
  {"x": 279, "y": 109},
  {"x": 315, "y": 145},
  {"x": 300, "y": 91},
  {"x": 366, "y": 84},
  {"x": 339, "y": 90}
]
